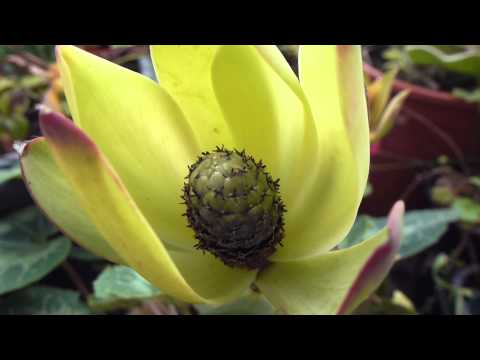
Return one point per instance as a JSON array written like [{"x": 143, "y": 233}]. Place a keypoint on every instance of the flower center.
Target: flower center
[{"x": 234, "y": 207}]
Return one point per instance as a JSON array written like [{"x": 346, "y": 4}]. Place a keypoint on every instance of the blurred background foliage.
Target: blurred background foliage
[{"x": 437, "y": 270}]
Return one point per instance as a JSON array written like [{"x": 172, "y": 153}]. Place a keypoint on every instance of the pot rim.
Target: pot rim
[{"x": 420, "y": 92}]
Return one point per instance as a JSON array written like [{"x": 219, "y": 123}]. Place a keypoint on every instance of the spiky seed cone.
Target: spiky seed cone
[{"x": 234, "y": 207}]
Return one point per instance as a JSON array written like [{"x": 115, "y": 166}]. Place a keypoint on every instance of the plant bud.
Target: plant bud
[{"x": 234, "y": 207}]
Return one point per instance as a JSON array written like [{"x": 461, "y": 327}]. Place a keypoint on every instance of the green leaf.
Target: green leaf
[
  {"x": 380, "y": 100},
  {"x": 398, "y": 304},
  {"x": 389, "y": 115},
  {"x": 464, "y": 62},
  {"x": 450, "y": 49},
  {"x": 45, "y": 52},
  {"x": 6, "y": 84},
  {"x": 363, "y": 228},
  {"x": 22, "y": 264},
  {"x": 442, "y": 195},
  {"x": 469, "y": 209},
  {"x": 27, "y": 225},
  {"x": 18, "y": 127},
  {"x": 252, "y": 304},
  {"x": 120, "y": 287},
  {"x": 33, "y": 81},
  {"x": 421, "y": 229},
  {"x": 10, "y": 173},
  {"x": 26, "y": 255},
  {"x": 43, "y": 300},
  {"x": 470, "y": 96}
]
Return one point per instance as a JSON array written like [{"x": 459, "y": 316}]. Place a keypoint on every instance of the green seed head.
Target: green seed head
[{"x": 234, "y": 207}]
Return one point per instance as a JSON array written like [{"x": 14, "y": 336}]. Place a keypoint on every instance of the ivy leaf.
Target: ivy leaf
[
  {"x": 252, "y": 304},
  {"x": 463, "y": 62},
  {"x": 9, "y": 173},
  {"x": 43, "y": 300},
  {"x": 26, "y": 225},
  {"x": 120, "y": 287},
  {"x": 363, "y": 228},
  {"x": 26, "y": 255},
  {"x": 421, "y": 229}
]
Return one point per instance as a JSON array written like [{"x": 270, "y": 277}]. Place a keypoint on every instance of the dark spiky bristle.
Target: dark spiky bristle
[{"x": 234, "y": 208}]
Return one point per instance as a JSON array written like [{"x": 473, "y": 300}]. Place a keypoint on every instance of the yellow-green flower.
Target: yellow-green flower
[{"x": 112, "y": 181}]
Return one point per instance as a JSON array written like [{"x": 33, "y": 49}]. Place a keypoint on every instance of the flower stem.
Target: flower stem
[{"x": 76, "y": 279}]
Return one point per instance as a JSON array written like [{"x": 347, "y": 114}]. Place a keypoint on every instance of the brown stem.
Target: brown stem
[
  {"x": 472, "y": 252},
  {"x": 419, "y": 179},
  {"x": 76, "y": 279},
  {"x": 447, "y": 139},
  {"x": 461, "y": 247}
]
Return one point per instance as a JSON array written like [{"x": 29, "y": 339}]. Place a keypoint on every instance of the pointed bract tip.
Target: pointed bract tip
[
  {"x": 62, "y": 52},
  {"x": 395, "y": 222},
  {"x": 379, "y": 264},
  {"x": 49, "y": 117},
  {"x": 19, "y": 147},
  {"x": 56, "y": 125},
  {"x": 58, "y": 51},
  {"x": 61, "y": 131}
]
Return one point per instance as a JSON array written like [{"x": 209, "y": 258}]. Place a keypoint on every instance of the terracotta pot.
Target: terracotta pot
[{"x": 431, "y": 124}]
